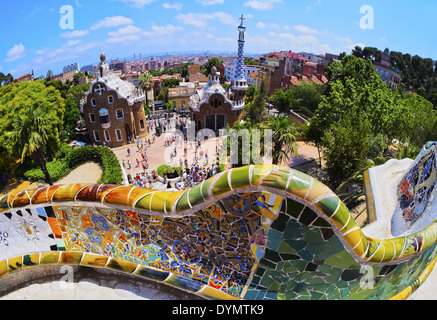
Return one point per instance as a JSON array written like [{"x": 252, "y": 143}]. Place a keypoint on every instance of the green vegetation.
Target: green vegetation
[
  {"x": 419, "y": 75},
  {"x": 212, "y": 62},
  {"x": 145, "y": 83},
  {"x": 304, "y": 98},
  {"x": 170, "y": 172},
  {"x": 359, "y": 118},
  {"x": 68, "y": 159}
]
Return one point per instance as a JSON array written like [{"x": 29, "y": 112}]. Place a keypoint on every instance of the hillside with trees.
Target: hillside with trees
[{"x": 419, "y": 75}]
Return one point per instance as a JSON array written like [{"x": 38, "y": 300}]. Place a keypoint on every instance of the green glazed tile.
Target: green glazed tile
[
  {"x": 240, "y": 177},
  {"x": 222, "y": 185},
  {"x": 294, "y": 208}
]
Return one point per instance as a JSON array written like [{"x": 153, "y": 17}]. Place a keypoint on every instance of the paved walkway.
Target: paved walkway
[
  {"x": 159, "y": 154},
  {"x": 88, "y": 173}
]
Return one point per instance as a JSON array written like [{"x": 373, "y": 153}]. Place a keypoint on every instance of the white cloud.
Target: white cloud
[
  {"x": 211, "y": 2},
  {"x": 169, "y": 29},
  {"x": 137, "y": 3},
  {"x": 177, "y": 6},
  {"x": 112, "y": 22},
  {"x": 217, "y": 39},
  {"x": 133, "y": 33},
  {"x": 72, "y": 42},
  {"x": 18, "y": 51},
  {"x": 75, "y": 34},
  {"x": 262, "y": 5},
  {"x": 200, "y": 19},
  {"x": 276, "y": 41},
  {"x": 305, "y": 29},
  {"x": 263, "y": 25}
]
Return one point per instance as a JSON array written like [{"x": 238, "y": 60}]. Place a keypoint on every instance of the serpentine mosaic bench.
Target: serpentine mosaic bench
[{"x": 257, "y": 232}]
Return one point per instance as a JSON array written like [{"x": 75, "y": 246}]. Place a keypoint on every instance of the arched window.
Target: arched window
[{"x": 104, "y": 117}]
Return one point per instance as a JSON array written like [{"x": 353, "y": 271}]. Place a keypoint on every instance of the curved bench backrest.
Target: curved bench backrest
[{"x": 257, "y": 232}]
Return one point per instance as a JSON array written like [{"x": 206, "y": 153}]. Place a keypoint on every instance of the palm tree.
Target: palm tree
[
  {"x": 145, "y": 82},
  {"x": 284, "y": 136},
  {"x": 30, "y": 135},
  {"x": 353, "y": 188}
]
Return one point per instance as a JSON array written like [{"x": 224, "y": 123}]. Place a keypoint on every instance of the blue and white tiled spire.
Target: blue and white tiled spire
[{"x": 240, "y": 80}]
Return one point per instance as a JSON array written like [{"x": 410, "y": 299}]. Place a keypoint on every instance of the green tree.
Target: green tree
[
  {"x": 30, "y": 135},
  {"x": 250, "y": 62},
  {"x": 256, "y": 111},
  {"x": 252, "y": 91},
  {"x": 308, "y": 96},
  {"x": 17, "y": 98},
  {"x": 212, "y": 62},
  {"x": 345, "y": 144},
  {"x": 76, "y": 78},
  {"x": 6, "y": 79},
  {"x": 145, "y": 82},
  {"x": 285, "y": 135},
  {"x": 284, "y": 101},
  {"x": 172, "y": 83}
]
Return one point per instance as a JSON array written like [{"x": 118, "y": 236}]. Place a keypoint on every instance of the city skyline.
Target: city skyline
[{"x": 40, "y": 39}]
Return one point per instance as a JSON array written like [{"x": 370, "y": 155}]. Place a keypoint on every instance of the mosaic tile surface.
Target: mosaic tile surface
[{"x": 258, "y": 232}]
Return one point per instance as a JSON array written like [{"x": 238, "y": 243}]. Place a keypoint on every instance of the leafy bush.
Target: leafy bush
[
  {"x": 112, "y": 173},
  {"x": 170, "y": 172},
  {"x": 73, "y": 158},
  {"x": 58, "y": 169}
]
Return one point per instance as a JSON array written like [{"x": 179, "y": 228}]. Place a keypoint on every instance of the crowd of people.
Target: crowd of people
[{"x": 190, "y": 173}]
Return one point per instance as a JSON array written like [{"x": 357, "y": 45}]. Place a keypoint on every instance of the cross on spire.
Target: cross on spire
[
  {"x": 100, "y": 89},
  {"x": 242, "y": 18}
]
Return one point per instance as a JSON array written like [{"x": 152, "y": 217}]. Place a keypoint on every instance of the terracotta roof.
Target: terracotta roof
[
  {"x": 316, "y": 80},
  {"x": 25, "y": 76}
]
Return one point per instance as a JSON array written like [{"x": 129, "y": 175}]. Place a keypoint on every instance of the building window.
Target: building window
[
  {"x": 96, "y": 136},
  {"x": 120, "y": 114},
  {"x": 110, "y": 99},
  {"x": 104, "y": 118},
  {"x": 92, "y": 118},
  {"x": 107, "y": 136},
  {"x": 118, "y": 134},
  {"x": 142, "y": 126},
  {"x": 93, "y": 102}
]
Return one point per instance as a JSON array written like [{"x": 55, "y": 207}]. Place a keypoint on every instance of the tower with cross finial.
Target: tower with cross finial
[{"x": 240, "y": 81}]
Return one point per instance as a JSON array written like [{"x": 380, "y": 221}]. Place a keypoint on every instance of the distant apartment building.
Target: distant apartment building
[
  {"x": 90, "y": 68},
  {"x": 230, "y": 70},
  {"x": 388, "y": 74},
  {"x": 120, "y": 66},
  {"x": 313, "y": 69},
  {"x": 285, "y": 69},
  {"x": 64, "y": 76},
  {"x": 72, "y": 67},
  {"x": 312, "y": 57},
  {"x": 328, "y": 58},
  {"x": 154, "y": 64},
  {"x": 180, "y": 97},
  {"x": 131, "y": 77},
  {"x": 27, "y": 77},
  {"x": 272, "y": 70},
  {"x": 195, "y": 75}
]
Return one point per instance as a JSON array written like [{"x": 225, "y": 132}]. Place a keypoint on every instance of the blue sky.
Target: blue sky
[{"x": 32, "y": 37}]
